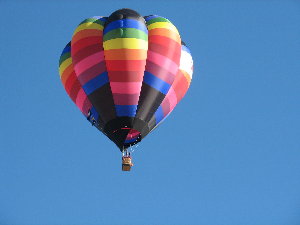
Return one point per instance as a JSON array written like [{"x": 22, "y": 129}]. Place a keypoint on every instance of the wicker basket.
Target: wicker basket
[{"x": 126, "y": 163}]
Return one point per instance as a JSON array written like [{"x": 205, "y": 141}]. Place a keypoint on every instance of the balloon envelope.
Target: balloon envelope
[{"x": 126, "y": 73}]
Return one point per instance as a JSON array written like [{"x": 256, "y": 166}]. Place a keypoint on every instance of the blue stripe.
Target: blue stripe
[
  {"x": 96, "y": 83},
  {"x": 125, "y": 23},
  {"x": 151, "y": 17},
  {"x": 186, "y": 49},
  {"x": 131, "y": 140},
  {"x": 159, "y": 114},
  {"x": 163, "y": 119},
  {"x": 94, "y": 113},
  {"x": 103, "y": 19},
  {"x": 156, "y": 83},
  {"x": 66, "y": 49},
  {"x": 100, "y": 18},
  {"x": 126, "y": 110}
]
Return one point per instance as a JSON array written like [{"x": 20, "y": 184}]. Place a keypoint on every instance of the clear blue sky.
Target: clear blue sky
[{"x": 228, "y": 155}]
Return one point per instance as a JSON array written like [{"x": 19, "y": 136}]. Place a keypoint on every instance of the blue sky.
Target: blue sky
[{"x": 228, "y": 155}]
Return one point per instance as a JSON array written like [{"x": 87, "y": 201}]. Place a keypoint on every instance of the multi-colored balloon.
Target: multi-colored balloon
[{"x": 126, "y": 73}]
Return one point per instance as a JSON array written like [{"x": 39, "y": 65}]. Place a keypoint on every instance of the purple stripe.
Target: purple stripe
[
  {"x": 91, "y": 73},
  {"x": 126, "y": 99}
]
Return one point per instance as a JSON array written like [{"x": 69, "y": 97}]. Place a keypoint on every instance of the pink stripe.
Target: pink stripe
[
  {"x": 88, "y": 62},
  {"x": 165, "y": 106},
  {"x": 91, "y": 73},
  {"x": 132, "y": 134},
  {"x": 163, "y": 61},
  {"x": 81, "y": 96},
  {"x": 160, "y": 72},
  {"x": 126, "y": 87},
  {"x": 171, "y": 96},
  {"x": 86, "y": 107}
]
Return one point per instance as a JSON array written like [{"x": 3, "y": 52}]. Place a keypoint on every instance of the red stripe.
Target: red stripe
[
  {"x": 69, "y": 83},
  {"x": 180, "y": 86},
  {"x": 168, "y": 43},
  {"x": 126, "y": 76},
  {"x": 68, "y": 72},
  {"x": 82, "y": 43},
  {"x": 85, "y": 52},
  {"x": 74, "y": 90},
  {"x": 72, "y": 87},
  {"x": 171, "y": 53},
  {"x": 86, "y": 33},
  {"x": 125, "y": 65}
]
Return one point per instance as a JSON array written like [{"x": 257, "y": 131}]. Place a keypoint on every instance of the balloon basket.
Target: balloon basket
[{"x": 126, "y": 163}]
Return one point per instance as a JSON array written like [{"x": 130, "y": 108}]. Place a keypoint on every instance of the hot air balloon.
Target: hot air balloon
[{"x": 126, "y": 73}]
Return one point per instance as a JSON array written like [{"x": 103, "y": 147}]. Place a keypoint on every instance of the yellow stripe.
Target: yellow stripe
[
  {"x": 163, "y": 25},
  {"x": 129, "y": 43},
  {"x": 64, "y": 65},
  {"x": 88, "y": 25}
]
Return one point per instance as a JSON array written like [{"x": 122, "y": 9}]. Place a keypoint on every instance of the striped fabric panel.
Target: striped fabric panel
[
  {"x": 90, "y": 67},
  {"x": 87, "y": 50},
  {"x": 125, "y": 51},
  {"x": 71, "y": 83},
  {"x": 163, "y": 58},
  {"x": 132, "y": 136},
  {"x": 164, "y": 49},
  {"x": 178, "y": 88}
]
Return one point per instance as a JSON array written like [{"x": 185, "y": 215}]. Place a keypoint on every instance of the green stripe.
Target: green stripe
[
  {"x": 125, "y": 33},
  {"x": 158, "y": 19},
  {"x": 92, "y": 20},
  {"x": 64, "y": 57}
]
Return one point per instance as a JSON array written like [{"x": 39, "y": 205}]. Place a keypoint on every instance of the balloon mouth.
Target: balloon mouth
[
  {"x": 130, "y": 137},
  {"x": 126, "y": 131}
]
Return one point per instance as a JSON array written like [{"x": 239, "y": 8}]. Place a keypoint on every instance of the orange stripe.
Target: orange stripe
[
  {"x": 125, "y": 54},
  {"x": 86, "y": 33},
  {"x": 164, "y": 41},
  {"x": 166, "y": 33},
  {"x": 67, "y": 72},
  {"x": 186, "y": 75}
]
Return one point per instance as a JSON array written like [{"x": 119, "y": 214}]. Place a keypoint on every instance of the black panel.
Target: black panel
[
  {"x": 152, "y": 123},
  {"x": 150, "y": 100},
  {"x": 124, "y": 14},
  {"x": 117, "y": 123},
  {"x": 103, "y": 102},
  {"x": 147, "y": 16}
]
